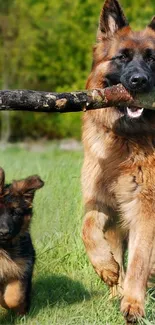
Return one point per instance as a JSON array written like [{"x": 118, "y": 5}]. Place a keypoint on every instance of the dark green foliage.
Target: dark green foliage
[
  {"x": 36, "y": 125},
  {"x": 46, "y": 45}
]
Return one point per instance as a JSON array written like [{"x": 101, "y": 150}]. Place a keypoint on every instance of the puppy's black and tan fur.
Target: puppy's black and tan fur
[{"x": 17, "y": 254}]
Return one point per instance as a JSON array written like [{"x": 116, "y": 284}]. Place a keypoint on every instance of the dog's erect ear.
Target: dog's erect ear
[
  {"x": 27, "y": 186},
  {"x": 2, "y": 180},
  {"x": 111, "y": 19},
  {"x": 152, "y": 23}
]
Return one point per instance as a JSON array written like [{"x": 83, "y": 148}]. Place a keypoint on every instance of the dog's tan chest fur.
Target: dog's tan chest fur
[
  {"x": 123, "y": 170},
  {"x": 10, "y": 269}
]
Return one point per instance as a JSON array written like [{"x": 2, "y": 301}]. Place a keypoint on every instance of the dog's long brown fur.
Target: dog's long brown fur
[{"x": 118, "y": 176}]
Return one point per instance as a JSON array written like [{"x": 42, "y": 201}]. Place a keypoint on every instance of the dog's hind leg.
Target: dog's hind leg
[
  {"x": 115, "y": 238},
  {"x": 103, "y": 246}
]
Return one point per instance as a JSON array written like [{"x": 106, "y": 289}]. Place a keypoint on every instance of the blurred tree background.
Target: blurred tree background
[{"x": 46, "y": 45}]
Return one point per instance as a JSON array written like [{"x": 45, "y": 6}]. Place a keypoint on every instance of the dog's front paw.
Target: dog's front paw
[
  {"x": 109, "y": 277},
  {"x": 132, "y": 309},
  {"x": 109, "y": 273}
]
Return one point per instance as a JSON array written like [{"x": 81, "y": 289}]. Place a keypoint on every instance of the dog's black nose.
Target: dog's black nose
[
  {"x": 4, "y": 232},
  {"x": 138, "y": 81}
]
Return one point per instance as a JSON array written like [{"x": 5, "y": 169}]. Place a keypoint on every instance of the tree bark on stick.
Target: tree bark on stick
[{"x": 38, "y": 101}]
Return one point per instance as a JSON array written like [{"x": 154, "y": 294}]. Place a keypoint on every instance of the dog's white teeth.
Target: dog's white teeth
[{"x": 134, "y": 112}]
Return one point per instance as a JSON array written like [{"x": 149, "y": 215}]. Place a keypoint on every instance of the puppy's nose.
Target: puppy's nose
[
  {"x": 138, "y": 81},
  {"x": 4, "y": 232}
]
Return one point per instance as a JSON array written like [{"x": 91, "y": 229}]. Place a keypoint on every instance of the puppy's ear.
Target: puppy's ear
[
  {"x": 2, "y": 180},
  {"x": 111, "y": 19},
  {"x": 152, "y": 24},
  {"x": 27, "y": 186}
]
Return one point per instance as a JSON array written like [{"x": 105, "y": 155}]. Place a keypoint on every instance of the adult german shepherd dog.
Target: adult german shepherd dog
[{"x": 118, "y": 176}]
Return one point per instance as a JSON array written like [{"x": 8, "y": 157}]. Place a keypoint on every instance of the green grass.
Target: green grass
[{"x": 66, "y": 291}]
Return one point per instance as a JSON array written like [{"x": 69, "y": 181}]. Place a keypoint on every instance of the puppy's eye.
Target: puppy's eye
[
  {"x": 16, "y": 217},
  {"x": 18, "y": 212}
]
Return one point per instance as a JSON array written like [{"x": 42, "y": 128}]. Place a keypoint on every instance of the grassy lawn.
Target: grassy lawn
[{"x": 66, "y": 291}]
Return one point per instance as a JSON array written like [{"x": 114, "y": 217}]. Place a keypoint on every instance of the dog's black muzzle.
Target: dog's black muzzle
[{"x": 137, "y": 78}]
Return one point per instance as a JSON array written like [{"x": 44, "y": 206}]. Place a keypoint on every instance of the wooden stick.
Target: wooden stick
[{"x": 39, "y": 101}]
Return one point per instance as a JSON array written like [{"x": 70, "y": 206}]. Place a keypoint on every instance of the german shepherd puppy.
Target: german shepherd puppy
[
  {"x": 118, "y": 176},
  {"x": 17, "y": 255}
]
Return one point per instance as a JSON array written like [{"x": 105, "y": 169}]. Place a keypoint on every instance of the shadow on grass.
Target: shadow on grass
[
  {"x": 48, "y": 291},
  {"x": 58, "y": 289}
]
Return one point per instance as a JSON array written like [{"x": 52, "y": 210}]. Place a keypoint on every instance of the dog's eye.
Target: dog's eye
[
  {"x": 123, "y": 57},
  {"x": 16, "y": 216},
  {"x": 16, "y": 213},
  {"x": 149, "y": 58}
]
